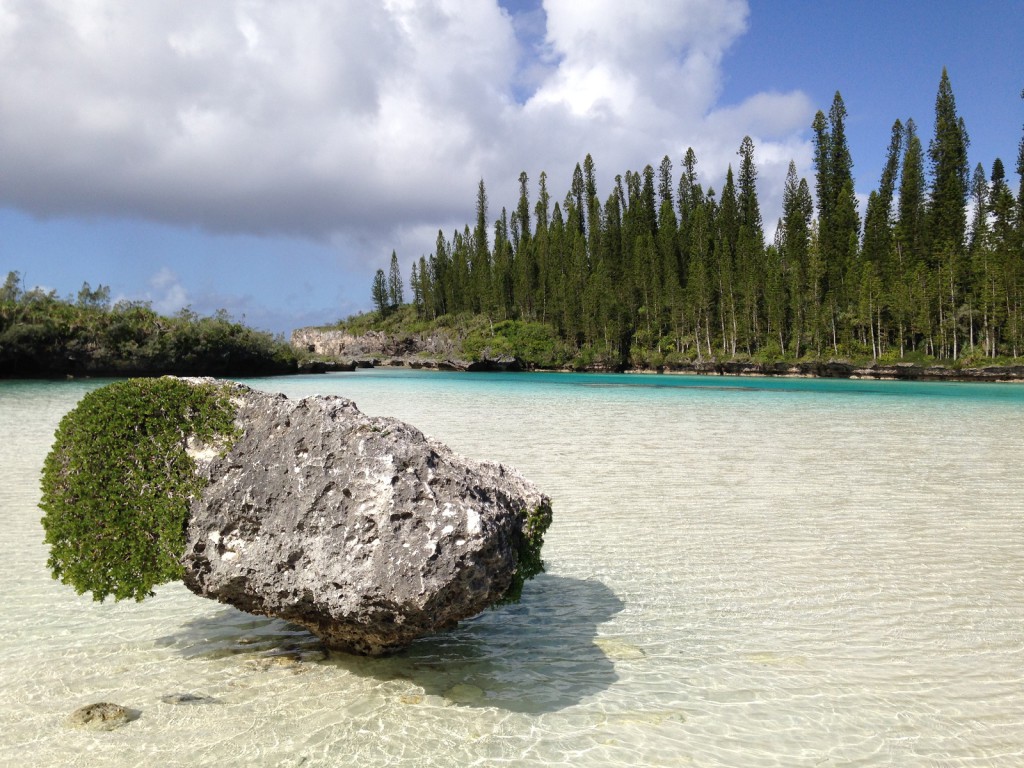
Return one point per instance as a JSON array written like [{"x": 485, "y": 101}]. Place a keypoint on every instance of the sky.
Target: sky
[{"x": 267, "y": 157}]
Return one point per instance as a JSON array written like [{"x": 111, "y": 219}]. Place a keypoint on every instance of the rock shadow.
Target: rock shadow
[
  {"x": 537, "y": 656},
  {"x": 540, "y": 655},
  {"x": 231, "y": 632}
]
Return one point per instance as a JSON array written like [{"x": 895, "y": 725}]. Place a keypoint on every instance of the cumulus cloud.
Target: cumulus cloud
[
  {"x": 358, "y": 121},
  {"x": 167, "y": 294}
]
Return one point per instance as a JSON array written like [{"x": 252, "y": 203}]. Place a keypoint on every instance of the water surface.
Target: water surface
[{"x": 741, "y": 572}]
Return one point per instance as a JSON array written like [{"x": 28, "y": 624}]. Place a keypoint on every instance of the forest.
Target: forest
[
  {"x": 665, "y": 271},
  {"x": 43, "y": 335}
]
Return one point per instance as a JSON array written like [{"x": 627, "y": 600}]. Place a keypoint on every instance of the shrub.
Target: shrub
[
  {"x": 118, "y": 482},
  {"x": 528, "y": 561},
  {"x": 535, "y": 343}
]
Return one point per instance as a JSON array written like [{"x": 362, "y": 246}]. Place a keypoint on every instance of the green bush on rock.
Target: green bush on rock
[
  {"x": 529, "y": 562},
  {"x": 118, "y": 482}
]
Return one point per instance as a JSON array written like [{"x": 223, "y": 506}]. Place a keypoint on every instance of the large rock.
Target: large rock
[{"x": 359, "y": 528}]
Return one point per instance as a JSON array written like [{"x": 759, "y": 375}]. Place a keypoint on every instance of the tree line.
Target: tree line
[
  {"x": 664, "y": 270},
  {"x": 43, "y": 335}
]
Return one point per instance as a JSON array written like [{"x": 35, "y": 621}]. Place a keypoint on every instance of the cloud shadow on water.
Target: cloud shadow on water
[{"x": 537, "y": 656}]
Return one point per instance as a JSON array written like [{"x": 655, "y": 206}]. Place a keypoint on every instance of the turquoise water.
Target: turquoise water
[{"x": 741, "y": 572}]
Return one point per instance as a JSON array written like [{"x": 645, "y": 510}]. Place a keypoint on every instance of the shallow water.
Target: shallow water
[{"x": 741, "y": 572}]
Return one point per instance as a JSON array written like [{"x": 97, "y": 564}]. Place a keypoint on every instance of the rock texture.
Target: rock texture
[
  {"x": 372, "y": 344},
  {"x": 102, "y": 716},
  {"x": 359, "y": 528}
]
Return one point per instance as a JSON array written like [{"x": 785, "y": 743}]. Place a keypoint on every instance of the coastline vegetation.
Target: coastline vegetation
[
  {"x": 43, "y": 335},
  {"x": 666, "y": 272}
]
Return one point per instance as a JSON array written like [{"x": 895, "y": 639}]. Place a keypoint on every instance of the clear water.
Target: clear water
[{"x": 741, "y": 572}]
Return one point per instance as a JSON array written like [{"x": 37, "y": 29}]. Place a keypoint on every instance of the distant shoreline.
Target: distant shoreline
[
  {"x": 806, "y": 370},
  {"x": 340, "y": 349}
]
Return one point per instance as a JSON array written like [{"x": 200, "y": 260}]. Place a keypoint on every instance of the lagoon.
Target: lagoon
[{"x": 740, "y": 572}]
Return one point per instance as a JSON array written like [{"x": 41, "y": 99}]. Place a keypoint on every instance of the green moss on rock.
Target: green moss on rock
[
  {"x": 118, "y": 482},
  {"x": 529, "y": 562}
]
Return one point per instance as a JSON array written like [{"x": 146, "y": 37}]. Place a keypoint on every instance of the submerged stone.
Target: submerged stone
[
  {"x": 102, "y": 716},
  {"x": 359, "y": 528},
  {"x": 187, "y": 698}
]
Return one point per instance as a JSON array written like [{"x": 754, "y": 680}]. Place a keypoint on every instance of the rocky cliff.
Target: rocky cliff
[{"x": 372, "y": 344}]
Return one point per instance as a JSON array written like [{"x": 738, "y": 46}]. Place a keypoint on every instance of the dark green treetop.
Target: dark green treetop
[
  {"x": 910, "y": 223},
  {"x": 878, "y": 222},
  {"x": 947, "y": 152}
]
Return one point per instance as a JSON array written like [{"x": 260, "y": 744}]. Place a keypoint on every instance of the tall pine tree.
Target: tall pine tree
[
  {"x": 396, "y": 295},
  {"x": 947, "y": 215}
]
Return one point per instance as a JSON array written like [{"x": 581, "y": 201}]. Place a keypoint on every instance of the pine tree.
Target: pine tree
[
  {"x": 1020, "y": 191},
  {"x": 503, "y": 279},
  {"x": 426, "y": 289},
  {"x": 523, "y": 212},
  {"x": 396, "y": 295},
  {"x": 593, "y": 203},
  {"x": 463, "y": 295},
  {"x": 617, "y": 322},
  {"x": 480, "y": 261},
  {"x": 910, "y": 235},
  {"x": 1018, "y": 235},
  {"x": 876, "y": 262},
  {"x": 444, "y": 276},
  {"x": 749, "y": 264},
  {"x": 1005, "y": 245},
  {"x": 981, "y": 262},
  {"x": 671, "y": 302},
  {"x": 878, "y": 219},
  {"x": 910, "y": 223},
  {"x": 699, "y": 279},
  {"x": 665, "y": 182},
  {"x": 524, "y": 258},
  {"x": 380, "y": 292},
  {"x": 647, "y": 200},
  {"x": 558, "y": 266},
  {"x": 947, "y": 217},
  {"x": 794, "y": 252},
  {"x": 578, "y": 198},
  {"x": 724, "y": 259},
  {"x": 838, "y": 222},
  {"x": 592, "y": 206},
  {"x": 542, "y": 248}
]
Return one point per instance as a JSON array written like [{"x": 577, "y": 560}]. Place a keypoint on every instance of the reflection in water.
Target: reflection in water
[{"x": 541, "y": 655}]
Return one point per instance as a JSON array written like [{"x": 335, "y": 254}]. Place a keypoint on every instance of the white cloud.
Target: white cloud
[
  {"x": 168, "y": 295},
  {"x": 361, "y": 122}
]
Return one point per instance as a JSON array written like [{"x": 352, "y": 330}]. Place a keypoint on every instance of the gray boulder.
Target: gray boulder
[{"x": 359, "y": 528}]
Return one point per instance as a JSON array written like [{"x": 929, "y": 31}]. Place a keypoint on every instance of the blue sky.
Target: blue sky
[{"x": 266, "y": 158}]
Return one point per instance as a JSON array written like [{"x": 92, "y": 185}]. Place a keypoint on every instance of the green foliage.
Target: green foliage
[
  {"x": 597, "y": 355},
  {"x": 379, "y": 292},
  {"x": 395, "y": 294},
  {"x": 528, "y": 559},
  {"x": 535, "y": 343},
  {"x": 43, "y": 335},
  {"x": 117, "y": 484}
]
